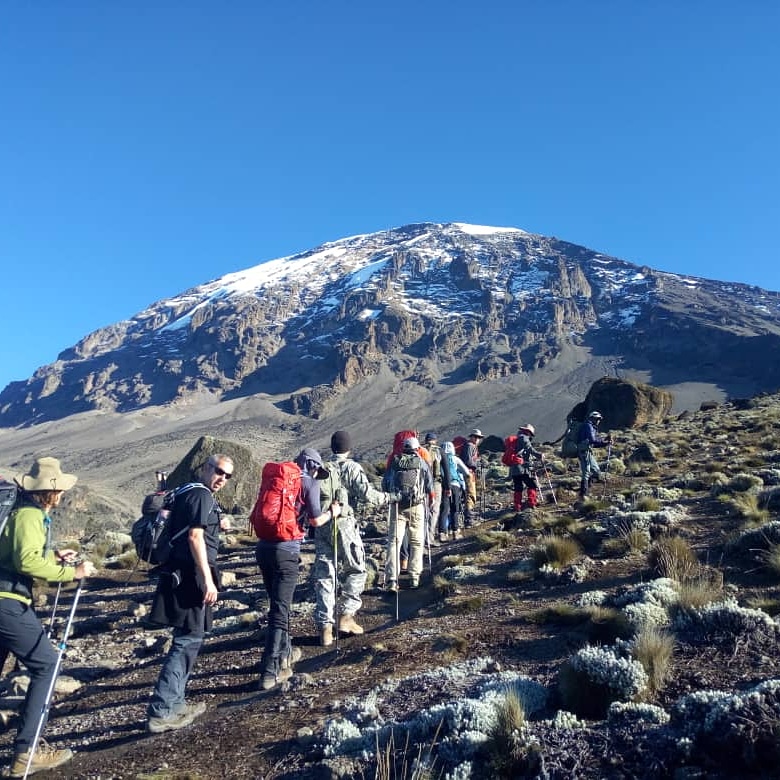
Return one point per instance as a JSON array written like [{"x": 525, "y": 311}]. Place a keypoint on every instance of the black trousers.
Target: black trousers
[{"x": 278, "y": 564}]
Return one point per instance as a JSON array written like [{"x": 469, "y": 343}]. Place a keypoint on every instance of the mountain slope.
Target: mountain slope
[{"x": 435, "y": 304}]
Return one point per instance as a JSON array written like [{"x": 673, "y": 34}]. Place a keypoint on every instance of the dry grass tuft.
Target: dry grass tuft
[
  {"x": 648, "y": 504},
  {"x": 771, "y": 559},
  {"x": 444, "y": 587},
  {"x": 488, "y": 541},
  {"x": 556, "y": 551},
  {"x": 673, "y": 557},
  {"x": 654, "y": 649}
]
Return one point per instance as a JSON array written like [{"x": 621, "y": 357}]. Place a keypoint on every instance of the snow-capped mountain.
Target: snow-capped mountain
[{"x": 433, "y": 303}]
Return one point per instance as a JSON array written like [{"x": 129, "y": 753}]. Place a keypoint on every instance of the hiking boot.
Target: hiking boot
[
  {"x": 391, "y": 586},
  {"x": 348, "y": 625},
  {"x": 414, "y": 583},
  {"x": 326, "y": 635},
  {"x": 457, "y": 534},
  {"x": 293, "y": 658},
  {"x": 269, "y": 679},
  {"x": 178, "y": 721},
  {"x": 435, "y": 542},
  {"x": 46, "y": 757}
]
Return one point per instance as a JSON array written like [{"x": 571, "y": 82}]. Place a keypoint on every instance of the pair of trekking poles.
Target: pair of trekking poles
[{"x": 61, "y": 647}]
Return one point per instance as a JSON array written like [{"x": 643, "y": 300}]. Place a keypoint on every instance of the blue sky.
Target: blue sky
[{"x": 149, "y": 147}]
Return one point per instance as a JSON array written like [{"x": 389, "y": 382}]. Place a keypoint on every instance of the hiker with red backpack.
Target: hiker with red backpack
[
  {"x": 521, "y": 467},
  {"x": 409, "y": 479},
  {"x": 288, "y": 500}
]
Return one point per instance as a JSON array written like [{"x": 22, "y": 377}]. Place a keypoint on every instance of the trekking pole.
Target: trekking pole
[
  {"x": 54, "y": 610},
  {"x": 63, "y": 643},
  {"x": 397, "y": 544},
  {"x": 427, "y": 521},
  {"x": 549, "y": 482},
  {"x": 336, "y": 582},
  {"x": 606, "y": 468}
]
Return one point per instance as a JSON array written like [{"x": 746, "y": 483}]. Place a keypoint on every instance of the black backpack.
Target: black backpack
[
  {"x": 570, "y": 444},
  {"x": 407, "y": 479},
  {"x": 151, "y": 533},
  {"x": 8, "y": 495}
]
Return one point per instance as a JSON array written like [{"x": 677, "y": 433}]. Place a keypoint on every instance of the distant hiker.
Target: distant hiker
[
  {"x": 294, "y": 505},
  {"x": 587, "y": 439},
  {"x": 470, "y": 456},
  {"x": 26, "y": 554},
  {"x": 432, "y": 446},
  {"x": 348, "y": 483},
  {"x": 186, "y": 593},
  {"x": 455, "y": 473},
  {"x": 409, "y": 479},
  {"x": 522, "y": 469}
]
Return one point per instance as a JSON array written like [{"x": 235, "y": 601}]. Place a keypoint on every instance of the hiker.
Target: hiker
[
  {"x": 587, "y": 439},
  {"x": 279, "y": 560},
  {"x": 25, "y": 554},
  {"x": 432, "y": 447},
  {"x": 409, "y": 479},
  {"x": 348, "y": 482},
  {"x": 186, "y": 593},
  {"x": 470, "y": 456},
  {"x": 454, "y": 475},
  {"x": 522, "y": 469}
]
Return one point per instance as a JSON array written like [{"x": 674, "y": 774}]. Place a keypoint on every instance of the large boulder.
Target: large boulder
[
  {"x": 239, "y": 494},
  {"x": 625, "y": 403}
]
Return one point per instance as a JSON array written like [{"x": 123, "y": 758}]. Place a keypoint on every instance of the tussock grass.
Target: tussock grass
[
  {"x": 557, "y": 551},
  {"x": 508, "y": 753},
  {"x": 453, "y": 560},
  {"x": 699, "y": 591},
  {"x": 636, "y": 539},
  {"x": 451, "y": 646},
  {"x": 488, "y": 541},
  {"x": 654, "y": 649},
  {"x": 466, "y": 605},
  {"x": 597, "y": 625},
  {"x": 673, "y": 557},
  {"x": 648, "y": 504},
  {"x": 766, "y": 604},
  {"x": 444, "y": 587},
  {"x": 406, "y": 762},
  {"x": 770, "y": 558},
  {"x": 746, "y": 506}
]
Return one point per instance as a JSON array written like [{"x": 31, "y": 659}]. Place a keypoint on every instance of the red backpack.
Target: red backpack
[
  {"x": 275, "y": 513},
  {"x": 458, "y": 443},
  {"x": 510, "y": 456},
  {"x": 398, "y": 444}
]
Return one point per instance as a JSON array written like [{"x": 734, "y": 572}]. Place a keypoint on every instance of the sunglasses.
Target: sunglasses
[{"x": 222, "y": 473}]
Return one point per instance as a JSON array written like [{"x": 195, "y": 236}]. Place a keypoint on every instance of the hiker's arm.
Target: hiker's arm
[
  {"x": 331, "y": 513},
  {"x": 197, "y": 542},
  {"x": 29, "y": 539}
]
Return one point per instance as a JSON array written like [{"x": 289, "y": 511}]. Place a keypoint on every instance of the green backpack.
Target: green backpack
[{"x": 569, "y": 445}]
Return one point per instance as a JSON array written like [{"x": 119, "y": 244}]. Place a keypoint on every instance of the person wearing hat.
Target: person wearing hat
[
  {"x": 587, "y": 439},
  {"x": 470, "y": 456},
  {"x": 279, "y": 562},
  {"x": 432, "y": 447},
  {"x": 26, "y": 554},
  {"x": 522, "y": 471},
  {"x": 348, "y": 482},
  {"x": 409, "y": 479}
]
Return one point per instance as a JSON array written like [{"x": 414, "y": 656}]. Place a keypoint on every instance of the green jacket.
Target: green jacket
[{"x": 24, "y": 551}]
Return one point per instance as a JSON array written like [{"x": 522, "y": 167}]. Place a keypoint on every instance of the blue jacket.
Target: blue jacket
[{"x": 588, "y": 437}]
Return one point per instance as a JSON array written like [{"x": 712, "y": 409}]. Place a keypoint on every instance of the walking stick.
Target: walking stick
[
  {"x": 63, "y": 643},
  {"x": 336, "y": 581},
  {"x": 549, "y": 482},
  {"x": 606, "y": 468},
  {"x": 54, "y": 610}
]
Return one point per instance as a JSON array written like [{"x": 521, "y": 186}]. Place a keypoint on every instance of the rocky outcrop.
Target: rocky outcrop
[{"x": 624, "y": 403}]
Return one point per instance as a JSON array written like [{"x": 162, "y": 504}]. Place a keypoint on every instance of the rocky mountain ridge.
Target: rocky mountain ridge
[{"x": 434, "y": 304}]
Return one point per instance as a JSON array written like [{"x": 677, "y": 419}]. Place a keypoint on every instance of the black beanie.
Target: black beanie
[{"x": 340, "y": 442}]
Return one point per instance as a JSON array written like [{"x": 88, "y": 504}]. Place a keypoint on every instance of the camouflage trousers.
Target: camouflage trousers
[{"x": 351, "y": 563}]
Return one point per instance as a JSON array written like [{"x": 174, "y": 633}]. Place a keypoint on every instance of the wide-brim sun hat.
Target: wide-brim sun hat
[
  {"x": 45, "y": 474},
  {"x": 528, "y": 429},
  {"x": 478, "y": 433},
  {"x": 412, "y": 443}
]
